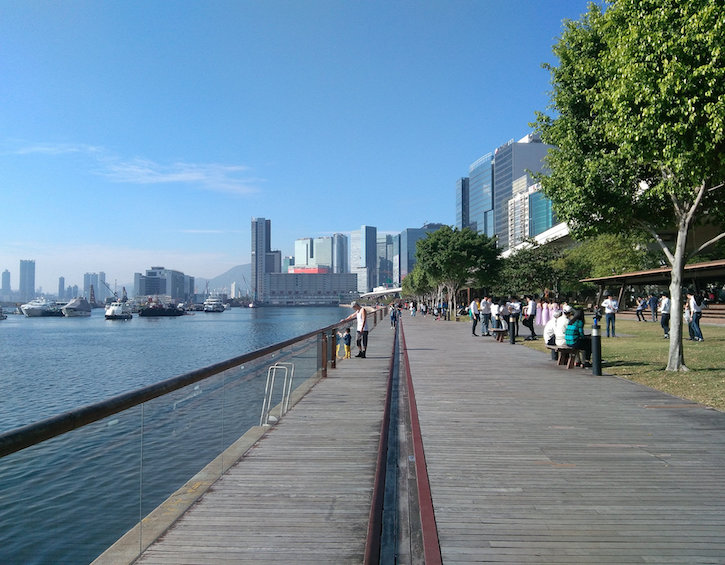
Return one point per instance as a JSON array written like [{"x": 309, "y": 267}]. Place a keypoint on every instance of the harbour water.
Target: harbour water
[{"x": 52, "y": 365}]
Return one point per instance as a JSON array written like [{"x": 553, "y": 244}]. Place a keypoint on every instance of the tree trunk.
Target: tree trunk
[{"x": 676, "y": 358}]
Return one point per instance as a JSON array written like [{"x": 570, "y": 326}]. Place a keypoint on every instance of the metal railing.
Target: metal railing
[{"x": 129, "y": 453}]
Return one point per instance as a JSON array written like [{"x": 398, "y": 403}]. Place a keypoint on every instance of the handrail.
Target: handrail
[{"x": 32, "y": 434}]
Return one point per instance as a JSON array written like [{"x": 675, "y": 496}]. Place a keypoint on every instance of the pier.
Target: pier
[{"x": 498, "y": 455}]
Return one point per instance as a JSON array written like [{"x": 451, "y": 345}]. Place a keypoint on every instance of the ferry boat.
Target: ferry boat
[
  {"x": 118, "y": 310},
  {"x": 213, "y": 304},
  {"x": 78, "y": 307},
  {"x": 41, "y": 307}
]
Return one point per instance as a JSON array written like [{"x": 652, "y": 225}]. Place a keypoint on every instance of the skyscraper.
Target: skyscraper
[
  {"x": 363, "y": 257},
  {"x": 264, "y": 260},
  {"x": 27, "y": 279},
  {"x": 480, "y": 196},
  {"x": 340, "y": 261},
  {"x": 462, "y": 202},
  {"x": 61, "y": 288},
  {"x": 512, "y": 161},
  {"x": 408, "y": 239}
]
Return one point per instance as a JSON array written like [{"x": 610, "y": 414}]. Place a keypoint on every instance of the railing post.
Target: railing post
[
  {"x": 324, "y": 355},
  {"x": 333, "y": 353}
]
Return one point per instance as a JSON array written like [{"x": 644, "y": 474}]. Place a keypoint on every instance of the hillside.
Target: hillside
[{"x": 241, "y": 274}]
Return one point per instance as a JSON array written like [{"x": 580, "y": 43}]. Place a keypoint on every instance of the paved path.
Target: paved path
[
  {"x": 303, "y": 493},
  {"x": 532, "y": 463}
]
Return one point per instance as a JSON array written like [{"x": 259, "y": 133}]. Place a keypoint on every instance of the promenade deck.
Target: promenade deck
[
  {"x": 303, "y": 493},
  {"x": 533, "y": 463},
  {"x": 527, "y": 462}
]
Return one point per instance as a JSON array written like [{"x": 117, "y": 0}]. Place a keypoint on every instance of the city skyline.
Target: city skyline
[{"x": 119, "y": 155}]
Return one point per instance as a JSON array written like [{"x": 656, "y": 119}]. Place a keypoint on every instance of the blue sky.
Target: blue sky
[{"x": 140, "y": 133}]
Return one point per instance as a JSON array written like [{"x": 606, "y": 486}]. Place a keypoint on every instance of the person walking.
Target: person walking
[
  {"x": 641, "y": 307},
  {"x": 611, "y": 307},
  {"x": 530, "y": 317},
  {"x": 485, "y": 312},
  {"x": 696, "y": 313},
  {"x": 393, "y": 315},
  {"x": 664, "y": 308},
  {"x": 473, "y": 312},
  {"x": 652, "y": 302}
]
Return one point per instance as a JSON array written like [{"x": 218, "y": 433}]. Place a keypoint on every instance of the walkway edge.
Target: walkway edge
[{"x": 431, "y": 545}]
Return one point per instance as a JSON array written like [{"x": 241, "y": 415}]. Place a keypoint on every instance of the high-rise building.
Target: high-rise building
[
  {"x": 61, "y": 288},
  {"x": 408, "y": 240},
  {"x": 363, "y": 257},
  {"x": 27, "y": 279},
  {"x": 159, "y": 281},
  {"x": 462, "y": 202},
  {"x": 304, "y": 252},
  {"x": 340, "y": 251},
  {"x": 6, "y": 282},
  {"x": 264, "y": 260},
  {"x": 512, "y": 161},
  {"x": 480, "y": 196},
  {"x": 385, "y": 260}
]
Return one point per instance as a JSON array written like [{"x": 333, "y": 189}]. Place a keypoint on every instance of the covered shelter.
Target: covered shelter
[{"x": 695, "y": 276}]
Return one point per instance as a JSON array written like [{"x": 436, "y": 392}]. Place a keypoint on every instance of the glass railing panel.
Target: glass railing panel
[{"x": 94, "y": 470}]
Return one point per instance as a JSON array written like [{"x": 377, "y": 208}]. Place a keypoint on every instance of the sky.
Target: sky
[{"x": 149, "y": 133}]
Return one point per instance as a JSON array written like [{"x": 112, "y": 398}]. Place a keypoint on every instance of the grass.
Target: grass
[{"x": 639, "y": 354}]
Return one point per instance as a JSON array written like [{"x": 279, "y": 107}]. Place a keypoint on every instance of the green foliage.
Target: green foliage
[
  {"x": 610, "y": 254},
  {"x": 530, "y": 270},
  {"x": 451, "y": 257},
  {"x": 640, "y": 100},
  {"x": 417, "y": 283}
]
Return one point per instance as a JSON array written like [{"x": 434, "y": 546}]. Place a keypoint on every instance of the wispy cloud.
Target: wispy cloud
[
  {"x": 208, "y": 176},
  {"x": 56, "y": 149},
  {"x": 216, "y": 177}
]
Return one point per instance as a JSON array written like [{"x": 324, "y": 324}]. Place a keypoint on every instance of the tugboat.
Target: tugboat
[
  {"x": 156, "y": 309},
  {"x": 119, "y": 309}
]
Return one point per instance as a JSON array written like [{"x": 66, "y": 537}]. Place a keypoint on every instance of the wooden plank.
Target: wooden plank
[{"x": 530, "y": 464}]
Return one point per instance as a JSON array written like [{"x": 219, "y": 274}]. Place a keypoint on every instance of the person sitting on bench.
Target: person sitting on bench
[{"x": 576, "y": 338}]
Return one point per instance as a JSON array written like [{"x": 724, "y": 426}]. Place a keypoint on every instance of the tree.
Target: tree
[
  {"x": 417, "y": 283},
  {"x": 530, "y": 270},
  {"x": 451, "y": 257},
  {"x": 639, "y": 128}
]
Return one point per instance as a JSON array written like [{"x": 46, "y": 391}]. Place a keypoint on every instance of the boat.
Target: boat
[
  {"x": 41, "y": 307},
  {"x": 118, "y": 310},
  {"x": 213, "y": 304},
  {"x": 155, "y": 309},
  {"x": 3, "y": 315},
  {"x": 78, "y": 307}
]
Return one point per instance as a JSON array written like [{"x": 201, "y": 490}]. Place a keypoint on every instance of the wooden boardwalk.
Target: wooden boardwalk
[
  {"x": 532, "y": 463},
  {"x": 303, "y": 493},
  {"x": 527, "y": 463}
]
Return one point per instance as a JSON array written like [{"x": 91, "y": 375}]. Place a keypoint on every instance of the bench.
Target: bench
[
  {"x": 500, "y": 333},
  {"x": 565, "y": 355}
]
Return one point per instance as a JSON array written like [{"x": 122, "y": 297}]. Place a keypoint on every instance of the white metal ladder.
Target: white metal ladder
[{"x": 289, "y": 375}]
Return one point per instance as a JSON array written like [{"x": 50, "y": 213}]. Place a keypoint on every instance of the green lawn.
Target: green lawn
[{"x": 639, "y": 354}]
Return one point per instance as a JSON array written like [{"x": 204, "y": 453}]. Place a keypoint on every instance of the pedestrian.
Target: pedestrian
[
  {"x": 641, "y": 307},
  {"x": 347, "y": 342},
  {"x": 362, "y": 328},
  {"x": 530, "y": 317},
  {"x": 473, "y": 313},
  {"x": 393, "y": 315},
  {"x": 611, "y": 307},
  {"x": 695, "y": 304},
  {"x": 576, "y": 338},
  {"x": 664, "y": 307},
  {"x": 484, "y": 311},
  {"x": 652, "y": 302}
]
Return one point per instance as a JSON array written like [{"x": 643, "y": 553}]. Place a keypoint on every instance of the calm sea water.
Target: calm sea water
[{"x": 59, "y": 506}]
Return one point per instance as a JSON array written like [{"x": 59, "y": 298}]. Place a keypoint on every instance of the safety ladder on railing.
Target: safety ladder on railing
[{"x": 289, "y": 374}]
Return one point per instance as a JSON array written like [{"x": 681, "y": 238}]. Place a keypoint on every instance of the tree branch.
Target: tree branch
[
  {"x": 698, "y": 198},
  {"x": 659, "y": 240},
  {"x": 709, "y": 243}
]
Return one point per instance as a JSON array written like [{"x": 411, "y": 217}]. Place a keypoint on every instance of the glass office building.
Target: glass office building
[
  {"x": 480, "y": 195},
  {"x": 462, "y": 198}
]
